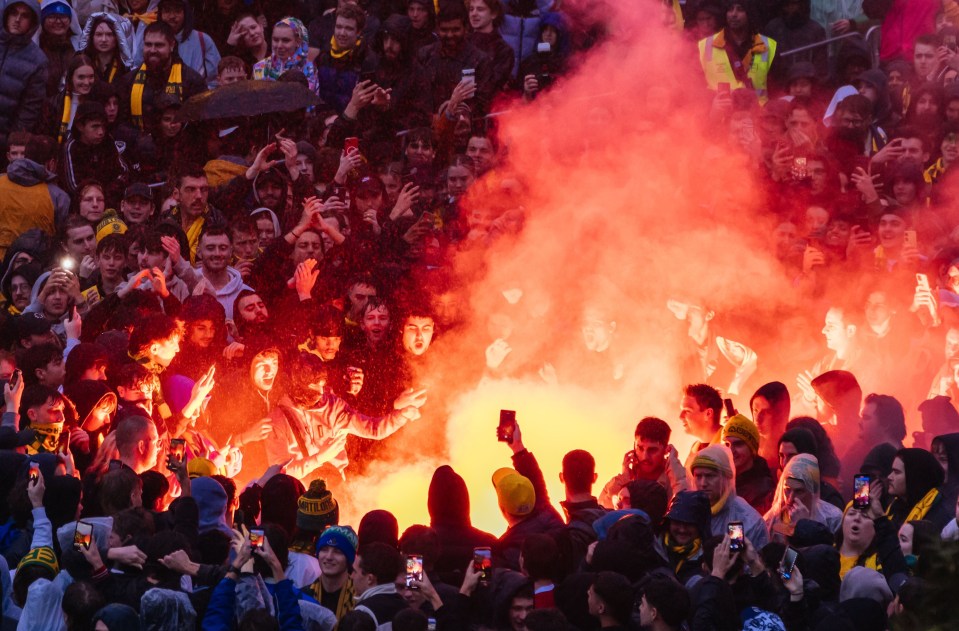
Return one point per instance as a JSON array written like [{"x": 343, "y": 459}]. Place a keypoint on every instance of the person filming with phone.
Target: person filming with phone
[
  {"x": 713, "y": 471},
  {"x": 651, "y": 458},
  {"x": 522, "y": 498}
]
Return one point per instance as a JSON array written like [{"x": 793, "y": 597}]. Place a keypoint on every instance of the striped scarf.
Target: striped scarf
[
  {"x": 174, "y": 86},
  {"x": 344, "y": 604}
]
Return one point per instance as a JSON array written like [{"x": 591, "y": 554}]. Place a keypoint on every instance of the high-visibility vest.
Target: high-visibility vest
[{"x": 718, "y": 70}]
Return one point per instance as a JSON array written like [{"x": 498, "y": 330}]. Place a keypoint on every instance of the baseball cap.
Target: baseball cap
[
  {"x": 30, "y": 324},
  {"x": 138, "y": 189},
  {"x": 514, "y": 492}
]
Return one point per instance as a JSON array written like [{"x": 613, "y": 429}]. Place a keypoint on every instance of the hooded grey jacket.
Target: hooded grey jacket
[
  {"x": 122, "y": 29},
  {"x": 23, "y": 76}
]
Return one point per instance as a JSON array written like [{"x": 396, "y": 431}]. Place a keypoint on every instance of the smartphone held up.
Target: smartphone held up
[
  {"x": 483, "y": 564},
  {"x": 414, "y": 570},
  {"x": 506, "y": 430},
  {"x": 82, "y": 536},
  {"x": 737, "y": 539}
]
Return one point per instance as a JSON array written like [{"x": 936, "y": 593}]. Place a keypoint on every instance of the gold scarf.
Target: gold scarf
[
  {"x": 923, "y": 506},
  {"x": 684, "y": 552},
  {"x": 65, "y": 117},
  {"x": 193, "y": 237},
  {"x": 147, "y": 18},
  {"x": 174, "y": 86},
  {"x": 337, "y": 53}
]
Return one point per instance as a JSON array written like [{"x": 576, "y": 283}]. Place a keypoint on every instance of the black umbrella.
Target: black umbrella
[{"x": 248, "y": 98}]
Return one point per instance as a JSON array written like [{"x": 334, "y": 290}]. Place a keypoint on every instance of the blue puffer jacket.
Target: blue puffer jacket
[
  {"x": 522, "y": 33},
  {"x": 23, "y": 76}
]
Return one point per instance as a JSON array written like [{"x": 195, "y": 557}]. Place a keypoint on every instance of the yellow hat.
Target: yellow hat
[
  {"x": 745, "y": 430},
  {"x": 514, "y": 492},
  {"x": 44, "y": 556},
  {"x": 200, "y": 468},
  {"x": 110, "y": 224}
]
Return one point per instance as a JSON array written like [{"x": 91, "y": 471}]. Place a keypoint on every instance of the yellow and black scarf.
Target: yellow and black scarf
[
  {"x": 339, "y": 53},
  {"x": 344, "y": 604},
  {"x": 174, "y": 86},
  {"x": 65, "y": 117},
  {"x": 681, "y": 552}
]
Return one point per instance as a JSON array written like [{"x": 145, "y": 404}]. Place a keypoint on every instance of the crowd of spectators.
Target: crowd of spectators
[{"x": 210, "y": 322}]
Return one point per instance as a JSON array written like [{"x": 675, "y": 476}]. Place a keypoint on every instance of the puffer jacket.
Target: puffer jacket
[
  {"x": 23, "y": 77},
  {"x": 521, "y": 29}
]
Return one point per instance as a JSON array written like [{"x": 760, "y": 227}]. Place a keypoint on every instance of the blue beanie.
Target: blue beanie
[
  {"x": 343, "y": 538},
  {"x": 56, "y": 8}
]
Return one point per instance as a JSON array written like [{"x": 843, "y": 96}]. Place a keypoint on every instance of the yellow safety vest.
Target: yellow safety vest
[{"x": 718, "y": 70}]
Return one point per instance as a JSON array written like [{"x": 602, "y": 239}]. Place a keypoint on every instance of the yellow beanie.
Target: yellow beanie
[{"x": 745, "y": 430}]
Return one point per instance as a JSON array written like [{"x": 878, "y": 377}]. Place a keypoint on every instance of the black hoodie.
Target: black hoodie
[{"x": 449, "y": 506}]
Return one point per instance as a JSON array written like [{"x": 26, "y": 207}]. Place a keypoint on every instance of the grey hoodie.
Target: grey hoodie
[{"x": 226, "y": 295}]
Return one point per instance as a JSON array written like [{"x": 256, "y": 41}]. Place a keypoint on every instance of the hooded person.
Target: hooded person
[
  {"x": 396, "y": 70},
  {"x": 448, "y": 503},
  {"x": 914, "y": 485},
  {"x": 292, "y": 55},
  {"x": 23, "y": 75},
  {"x": 946, "y": 450},
  {"x": 712, "y": 470},
  {"x": 794, "y": 28},
  {"x": 797, "y": 497},
  {"x": 686, "y": 526},
  {"x": 59, "y": 47},
  {"x": 166, "y": 610},
  {"x": 257, "y": 215},
  {"x": 195, "y": 48},
  {"x": 122, "y": 59},
  {"x": 379, "y": 526},
  {"x": 95, "y": 404},
  {"x": 925, "y": 110},
  {"x": 423, "y": 31},
  {"x": 116, "y": 617},
  {"x": 874, "y": 85},
  {"x": 212, "y": 500},
  {"x": 862, "y": 582}
]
